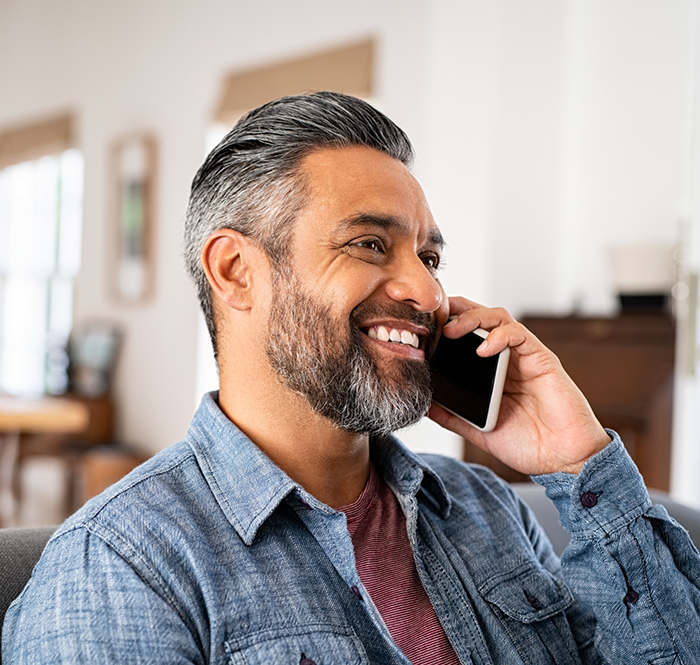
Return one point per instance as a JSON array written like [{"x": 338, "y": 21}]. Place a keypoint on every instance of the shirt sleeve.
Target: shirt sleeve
[
  {"x": 86, "y": 604},
  {"x": 628, "y": 562}
]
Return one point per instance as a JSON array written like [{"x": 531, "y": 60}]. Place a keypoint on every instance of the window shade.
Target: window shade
[
  {"x": 36, "y": 139},
  {"x": 346, "y": 69}
]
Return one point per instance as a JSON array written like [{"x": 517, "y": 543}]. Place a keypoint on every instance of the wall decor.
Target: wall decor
[{"x": 133, "y": 176}]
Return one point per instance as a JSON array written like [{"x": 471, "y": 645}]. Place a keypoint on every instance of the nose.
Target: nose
[{"x": 413, "y": 284}]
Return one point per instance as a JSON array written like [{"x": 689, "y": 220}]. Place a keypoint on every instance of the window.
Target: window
[{"x": 40, "y": 244}]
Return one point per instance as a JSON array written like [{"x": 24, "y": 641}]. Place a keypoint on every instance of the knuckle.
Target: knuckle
[{"x": 504, "y": 314}]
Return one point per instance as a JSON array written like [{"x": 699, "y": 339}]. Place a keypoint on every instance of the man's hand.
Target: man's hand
[{"x": 545, "y": 424}]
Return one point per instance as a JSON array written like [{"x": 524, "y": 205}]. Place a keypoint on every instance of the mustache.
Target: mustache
[{"x": 401, "y": 312}]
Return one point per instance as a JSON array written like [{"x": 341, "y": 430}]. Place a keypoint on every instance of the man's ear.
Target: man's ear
[{"x": 229, "y": 260}]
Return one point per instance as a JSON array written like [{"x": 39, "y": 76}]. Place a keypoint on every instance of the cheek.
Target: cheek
[
  {"x": 260, "y": 314},
  {"x": 348, "y": 290}
]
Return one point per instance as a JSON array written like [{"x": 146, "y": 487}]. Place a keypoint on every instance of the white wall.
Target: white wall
[
  {"x": 685, "y": 461},
  {"x": 545, "y": 130},
  {"x": 627, "y": 127},
  {"x": 556, "y": 130}
]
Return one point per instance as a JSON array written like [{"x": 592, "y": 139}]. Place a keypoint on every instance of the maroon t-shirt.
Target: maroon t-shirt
[{"x": 386, "y": 567}]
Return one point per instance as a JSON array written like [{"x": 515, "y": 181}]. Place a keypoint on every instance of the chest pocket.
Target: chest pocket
[
  {"x": 527, "y": 594},
  {"x": 530, "y": 604},
  {"x": 298, "y": 645}
]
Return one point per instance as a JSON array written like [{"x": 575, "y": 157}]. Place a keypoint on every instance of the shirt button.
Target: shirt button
[
  {"x": 632, "y": 597},
  {"x": 306, "y": 661},
  {"x": 356, "y": 591},
  {"x": 589, "y": 499},
  {"x": 305, "y": 504},
  {"x": 535, "y": 602}
]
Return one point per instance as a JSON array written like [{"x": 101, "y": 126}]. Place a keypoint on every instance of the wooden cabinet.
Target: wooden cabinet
[{"x": 624, "y": 366}]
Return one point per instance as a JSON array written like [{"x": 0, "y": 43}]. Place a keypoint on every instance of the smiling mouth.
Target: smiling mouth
[{"x": 394, "y": 335}]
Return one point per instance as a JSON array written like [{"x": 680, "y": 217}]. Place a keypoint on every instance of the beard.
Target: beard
[{"x": 325, "y": 360}]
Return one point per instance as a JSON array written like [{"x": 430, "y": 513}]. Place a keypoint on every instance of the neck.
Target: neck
[{"x": 329, "y": 463}]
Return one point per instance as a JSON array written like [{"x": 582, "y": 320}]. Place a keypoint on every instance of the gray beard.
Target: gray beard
[{"x": 327, "y": 363}]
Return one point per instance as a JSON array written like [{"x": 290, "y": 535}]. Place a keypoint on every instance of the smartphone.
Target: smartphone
[{"x": 466, "y": 384}]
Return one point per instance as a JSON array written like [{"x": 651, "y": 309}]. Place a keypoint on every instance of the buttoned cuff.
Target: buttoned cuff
[{"x": 606, "y": 495}]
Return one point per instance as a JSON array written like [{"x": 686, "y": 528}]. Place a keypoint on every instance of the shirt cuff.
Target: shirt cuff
[{"x": 607, "y": 494}]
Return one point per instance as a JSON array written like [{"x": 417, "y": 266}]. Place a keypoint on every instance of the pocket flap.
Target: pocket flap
[
  {"x": 527, "y": 594},
  {"x": 319, "y": 644}
]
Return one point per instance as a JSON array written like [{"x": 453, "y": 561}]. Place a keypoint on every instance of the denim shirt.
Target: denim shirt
[{"x": 209, "y": 553}]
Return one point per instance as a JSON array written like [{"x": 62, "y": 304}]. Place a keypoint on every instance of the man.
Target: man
[{"x": 290, "y": 526}]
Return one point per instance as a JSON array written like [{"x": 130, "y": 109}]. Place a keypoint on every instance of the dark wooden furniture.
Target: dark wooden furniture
[
  {"x": 98, "y": 430},
  {"x": 624, "y": 366},
  {"x": 52, "y": 417}
]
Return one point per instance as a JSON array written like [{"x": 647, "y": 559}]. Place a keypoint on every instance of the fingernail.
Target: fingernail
[{"x": 483, "y": 346}]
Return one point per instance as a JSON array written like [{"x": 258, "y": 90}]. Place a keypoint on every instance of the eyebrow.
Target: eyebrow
[{"x": 387, "y": 222}]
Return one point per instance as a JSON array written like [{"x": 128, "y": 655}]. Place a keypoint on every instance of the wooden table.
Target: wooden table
[{"x": 22, "y": 416}]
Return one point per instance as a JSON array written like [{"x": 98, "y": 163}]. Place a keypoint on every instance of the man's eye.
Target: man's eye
[
  {"x": 431, "y": 261},
  {"x": 371, "y": 244}
]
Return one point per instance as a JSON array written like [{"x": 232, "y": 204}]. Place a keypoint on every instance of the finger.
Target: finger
[
  {"x": 477, "y": 316},
  {"x": 512, "y": 335},
  {"x": 504, "y": 330},
  {"x": 458, "y": 304}
]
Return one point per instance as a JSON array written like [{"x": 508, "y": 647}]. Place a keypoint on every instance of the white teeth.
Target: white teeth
[{"x": 384, "y": 334}]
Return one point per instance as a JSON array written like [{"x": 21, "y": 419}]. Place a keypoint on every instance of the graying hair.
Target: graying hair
[{"x": 251, "y": 181}]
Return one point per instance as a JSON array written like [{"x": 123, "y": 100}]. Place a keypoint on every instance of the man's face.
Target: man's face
[{"x": 357, "y": 305}]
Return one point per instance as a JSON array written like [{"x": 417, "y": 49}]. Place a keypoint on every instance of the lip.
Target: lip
[{"x": 403, "y": 350}]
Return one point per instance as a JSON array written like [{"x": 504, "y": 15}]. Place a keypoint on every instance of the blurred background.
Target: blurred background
[{"x": 557, "y": 141}]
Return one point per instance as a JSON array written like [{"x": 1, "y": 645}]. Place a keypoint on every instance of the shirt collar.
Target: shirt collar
[
  {"x": 407, "y": 473},
  {"x": 248, "y": 486}
]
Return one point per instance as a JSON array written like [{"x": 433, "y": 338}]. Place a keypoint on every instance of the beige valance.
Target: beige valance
[
  {"x": 36, "y": 139},
  {"x": 346, "y": 69}
]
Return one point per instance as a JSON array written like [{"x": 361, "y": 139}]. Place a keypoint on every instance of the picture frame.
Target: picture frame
[{"x": 133, "y": 163}]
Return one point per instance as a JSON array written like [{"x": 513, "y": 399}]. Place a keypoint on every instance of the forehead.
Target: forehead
[{"x": 354, "y": 186}]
